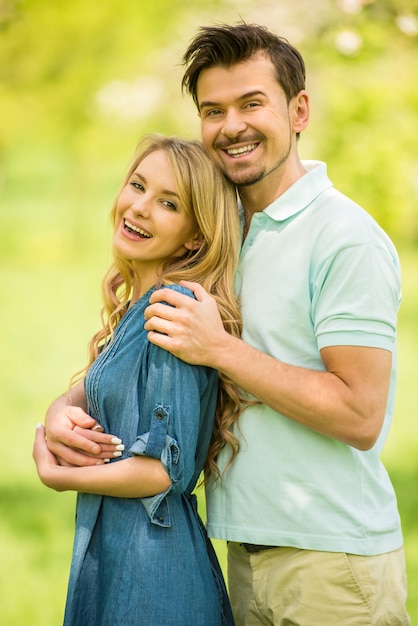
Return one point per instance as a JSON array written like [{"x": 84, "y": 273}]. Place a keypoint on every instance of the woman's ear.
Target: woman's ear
[{"x": 195, "y": 243}]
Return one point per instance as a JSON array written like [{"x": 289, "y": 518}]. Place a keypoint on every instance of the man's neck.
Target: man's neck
[{"x": 257, "y": 197}]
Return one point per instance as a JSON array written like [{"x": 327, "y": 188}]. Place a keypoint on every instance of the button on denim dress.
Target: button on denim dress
[{"x": 148, "y": 561}]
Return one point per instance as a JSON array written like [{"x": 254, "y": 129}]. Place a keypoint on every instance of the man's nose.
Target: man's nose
[{"x": 233, "y": 124}]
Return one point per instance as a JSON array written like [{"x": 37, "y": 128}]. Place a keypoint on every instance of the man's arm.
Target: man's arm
[
  {"x": 73, "y": 436},
  {"x": 346, "y": 402},
  {"x": 134, "y": 477}
]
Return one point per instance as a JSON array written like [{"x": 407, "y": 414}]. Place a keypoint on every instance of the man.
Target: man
[{"x": 307, "y": 508}]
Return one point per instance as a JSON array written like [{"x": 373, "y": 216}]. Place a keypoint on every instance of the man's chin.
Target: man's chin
[
  {"x": 245, "y": 180},
  {"x": 243, "y": 176}
]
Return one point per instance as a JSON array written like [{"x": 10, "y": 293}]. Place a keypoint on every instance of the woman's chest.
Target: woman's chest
[{"x": 115, "y": 380}]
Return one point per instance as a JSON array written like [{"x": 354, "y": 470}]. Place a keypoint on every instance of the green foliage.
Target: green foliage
[
  {"x": 79, "y": 83},
  {"x": 365, "y": 102}
]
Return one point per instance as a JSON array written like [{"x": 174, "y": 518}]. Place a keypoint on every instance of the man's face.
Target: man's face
[{"x": 246, "y": 120}]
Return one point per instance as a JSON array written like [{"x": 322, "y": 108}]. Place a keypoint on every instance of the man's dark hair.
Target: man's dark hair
[{"x": 227, "y": 45}]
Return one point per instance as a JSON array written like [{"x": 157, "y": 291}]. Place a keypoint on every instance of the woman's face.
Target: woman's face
[{"x": 151, "y": 224}]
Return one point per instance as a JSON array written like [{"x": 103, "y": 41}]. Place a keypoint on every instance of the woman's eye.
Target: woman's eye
[
  {"x": 169, "y": 205},
  {"x": 137, "y": 185}
]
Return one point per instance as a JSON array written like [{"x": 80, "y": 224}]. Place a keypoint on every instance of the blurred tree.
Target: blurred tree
[
  {"x": 366, "y": 104},
  {"x": 80, "y": 81}
]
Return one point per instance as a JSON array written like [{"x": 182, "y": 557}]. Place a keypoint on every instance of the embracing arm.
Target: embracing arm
[
  {"x": 134, "y": 477},
  {"x": 347, "y": 401},
  {"x": 71, "y": 434}
]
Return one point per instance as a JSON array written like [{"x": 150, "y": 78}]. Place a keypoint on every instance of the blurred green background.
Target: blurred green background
[{"x": 79, "y": 83}]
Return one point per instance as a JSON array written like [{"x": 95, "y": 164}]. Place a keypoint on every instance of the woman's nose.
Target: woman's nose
[{"x": 141, "y": 206}]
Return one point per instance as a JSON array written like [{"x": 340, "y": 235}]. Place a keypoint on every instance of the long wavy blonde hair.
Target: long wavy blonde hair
[{"x": 211, "y": 200}]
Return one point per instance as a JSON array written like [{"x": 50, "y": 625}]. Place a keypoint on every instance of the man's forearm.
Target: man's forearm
[
  {"x": 346, "y": 400},
  {"x": 345, "y": 403}
]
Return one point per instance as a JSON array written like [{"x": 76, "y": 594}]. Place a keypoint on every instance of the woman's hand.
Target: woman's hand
[
  {"x": 44, "y": 459},
  {"x": 75, "y": 438},
  {"x": 134, "y": 477}
]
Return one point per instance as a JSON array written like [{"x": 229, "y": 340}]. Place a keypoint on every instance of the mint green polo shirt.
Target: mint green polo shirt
[{"x": 315, "y": 270}]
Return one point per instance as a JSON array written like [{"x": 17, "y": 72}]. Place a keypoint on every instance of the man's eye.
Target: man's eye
[{"x": 213, "y": 113}]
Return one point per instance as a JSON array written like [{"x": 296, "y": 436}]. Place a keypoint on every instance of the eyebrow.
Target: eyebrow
[
  {"x": 165, "y": 192},
  {"x": 250, "y": 94}
]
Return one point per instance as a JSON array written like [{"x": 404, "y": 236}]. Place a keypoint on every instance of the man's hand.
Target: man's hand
[
  {"x": 345, "y": 402},
  {"x": 190, "y": 329}
]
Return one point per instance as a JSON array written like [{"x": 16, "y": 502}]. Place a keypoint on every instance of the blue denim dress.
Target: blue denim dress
[{"x": 148, "y": 561}]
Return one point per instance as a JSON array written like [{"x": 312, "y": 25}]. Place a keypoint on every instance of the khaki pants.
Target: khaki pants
[{"x": 293, "y": 587}]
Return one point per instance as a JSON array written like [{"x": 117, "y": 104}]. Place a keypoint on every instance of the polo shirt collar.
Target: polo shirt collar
[{"x": 301, "y": 193}]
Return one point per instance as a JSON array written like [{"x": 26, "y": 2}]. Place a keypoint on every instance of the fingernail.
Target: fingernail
[
  {"x": 106, "y": 460},
  {"x": 116, "y": 440},
  {"x": 38, "y": 425},
  {"x": 117, "y": 454},
  {"x": 120, "y": 447},
  {"x": 98, "y": 428}
]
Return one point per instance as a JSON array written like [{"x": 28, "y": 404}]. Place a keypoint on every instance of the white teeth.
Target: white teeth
[
  {"x": 141, "y": 232},
  {"x": 243, "y": 150}
]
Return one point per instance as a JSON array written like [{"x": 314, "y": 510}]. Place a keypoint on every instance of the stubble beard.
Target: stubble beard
[{"x": 247, "y": 179}]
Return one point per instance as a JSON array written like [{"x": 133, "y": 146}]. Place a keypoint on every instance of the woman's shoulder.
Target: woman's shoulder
[{"x": 180, "y": 289}]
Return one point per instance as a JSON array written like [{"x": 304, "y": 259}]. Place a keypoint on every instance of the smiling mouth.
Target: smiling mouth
[
  {"x": 136, "y": 231},
  {"x": 237, "y": 152}
]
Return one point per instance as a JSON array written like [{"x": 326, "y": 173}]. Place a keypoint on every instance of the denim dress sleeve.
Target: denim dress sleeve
[{"x": 178, "y": 401}]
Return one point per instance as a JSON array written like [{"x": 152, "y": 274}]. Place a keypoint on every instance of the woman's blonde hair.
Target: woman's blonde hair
[{"x": 211, "y": 200}]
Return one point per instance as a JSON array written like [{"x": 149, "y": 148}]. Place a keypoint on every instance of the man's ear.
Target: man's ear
[{"x": 300, "y": 111}]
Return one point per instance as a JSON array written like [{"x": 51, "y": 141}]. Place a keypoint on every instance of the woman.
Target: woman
[{"x": 141, "y": 554}]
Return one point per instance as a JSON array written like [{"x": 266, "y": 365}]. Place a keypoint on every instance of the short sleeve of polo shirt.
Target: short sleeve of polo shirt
[{"x": 357, "y": 296}]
